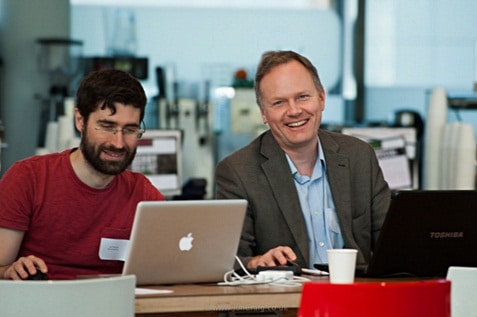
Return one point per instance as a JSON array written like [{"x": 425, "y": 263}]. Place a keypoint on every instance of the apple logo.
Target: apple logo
[{"x": 185, "y": 243}]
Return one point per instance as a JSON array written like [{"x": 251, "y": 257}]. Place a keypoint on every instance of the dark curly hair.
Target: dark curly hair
[{"x": 102, "y": 88}]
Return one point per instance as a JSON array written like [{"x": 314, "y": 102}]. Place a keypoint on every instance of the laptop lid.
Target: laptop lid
[
  {"x": 425, "y": 232},
  {"x": 191, "y": 241}
]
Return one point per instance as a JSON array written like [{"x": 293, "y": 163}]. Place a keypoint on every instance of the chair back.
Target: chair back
[
  {"x": 463, "y": 290},
  {"x": 376, "y": 299},
  {"x": 97, "y": 297}
]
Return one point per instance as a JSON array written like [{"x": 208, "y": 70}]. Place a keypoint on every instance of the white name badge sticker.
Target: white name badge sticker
[{"x": 113, "y": 249}]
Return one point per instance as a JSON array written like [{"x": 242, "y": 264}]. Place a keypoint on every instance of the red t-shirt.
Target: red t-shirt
[{"x": 65, "y": 219}]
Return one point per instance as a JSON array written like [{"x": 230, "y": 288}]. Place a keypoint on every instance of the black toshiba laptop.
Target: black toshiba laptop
[{"x": 424, "y": 233}]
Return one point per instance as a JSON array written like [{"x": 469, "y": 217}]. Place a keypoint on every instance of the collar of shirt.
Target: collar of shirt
[{"x": 318, "y": 169}]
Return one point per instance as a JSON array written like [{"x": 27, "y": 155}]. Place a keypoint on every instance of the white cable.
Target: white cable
[
  {"x": 231, "y": 278},
  {"x": 242, "y": 266}
]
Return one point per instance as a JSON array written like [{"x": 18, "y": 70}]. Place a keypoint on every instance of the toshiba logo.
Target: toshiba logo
[{"x": 446, "y": 235}]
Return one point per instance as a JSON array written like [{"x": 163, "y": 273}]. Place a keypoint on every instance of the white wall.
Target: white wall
[
  {"x": 198, "y": 42},
  {"x": 413, "y": 46}
]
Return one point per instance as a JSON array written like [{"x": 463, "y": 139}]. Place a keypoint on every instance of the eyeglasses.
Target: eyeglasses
[{"x": 127, "y": 132}]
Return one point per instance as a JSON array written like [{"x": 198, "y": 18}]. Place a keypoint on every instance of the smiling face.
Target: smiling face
[
  {"x": 292, "y": 106},
  {"x": 109, "y": 153}
]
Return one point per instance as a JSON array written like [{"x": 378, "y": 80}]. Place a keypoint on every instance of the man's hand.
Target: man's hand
[
  {"x": 24, "y": 266},
  {"x": 278, "y": 256}
]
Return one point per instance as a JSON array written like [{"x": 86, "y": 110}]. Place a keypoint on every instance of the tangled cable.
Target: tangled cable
[{"x": 232, "y": 278}]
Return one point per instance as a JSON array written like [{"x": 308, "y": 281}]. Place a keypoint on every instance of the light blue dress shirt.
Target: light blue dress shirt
[{"x": 318, "y": 210}]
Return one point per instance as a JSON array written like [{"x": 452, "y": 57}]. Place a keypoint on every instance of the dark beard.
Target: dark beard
[{"x": 92, "y": 156}]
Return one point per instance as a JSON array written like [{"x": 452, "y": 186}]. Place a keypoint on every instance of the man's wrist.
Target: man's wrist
[{"x": 3, "y": 270}]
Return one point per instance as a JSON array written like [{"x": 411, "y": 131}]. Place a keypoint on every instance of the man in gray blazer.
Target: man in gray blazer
[{"x": 308, "y": 189}]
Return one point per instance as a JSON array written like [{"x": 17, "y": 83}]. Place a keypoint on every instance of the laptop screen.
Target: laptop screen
[
  {"x": 425, "y": 232},
  {"x": 189, "y": 241}
]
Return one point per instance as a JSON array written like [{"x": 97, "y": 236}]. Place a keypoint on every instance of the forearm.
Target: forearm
[
  {"x": 10, "y": 240},
  {"x": 3, "y": 269}
]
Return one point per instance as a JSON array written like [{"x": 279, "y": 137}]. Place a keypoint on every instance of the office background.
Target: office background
[{"x": 410, "y": 47}]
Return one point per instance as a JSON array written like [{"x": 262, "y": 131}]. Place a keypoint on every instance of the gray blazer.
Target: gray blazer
[{"x": 260, "y": 173}]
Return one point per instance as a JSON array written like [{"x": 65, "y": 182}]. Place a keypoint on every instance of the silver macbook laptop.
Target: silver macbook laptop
[{"x": 190, "y": 241}]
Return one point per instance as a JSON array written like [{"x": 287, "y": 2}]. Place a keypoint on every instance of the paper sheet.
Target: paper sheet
[{"x": 150, "y": 291}]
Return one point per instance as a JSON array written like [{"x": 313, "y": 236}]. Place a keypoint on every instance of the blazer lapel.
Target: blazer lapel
[
  {"x": 284, "y": 190},
  {"x": 339, "y": 180}
]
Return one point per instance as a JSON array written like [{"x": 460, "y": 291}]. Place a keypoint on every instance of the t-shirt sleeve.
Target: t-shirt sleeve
[
  {"x": 150, "y": 191},
  {"x": 16, "y": 197}
]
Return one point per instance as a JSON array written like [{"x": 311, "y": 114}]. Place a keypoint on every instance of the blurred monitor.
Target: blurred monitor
[
  {"x": 396, "y": 150},
  {"x": 159, "y": 157}
]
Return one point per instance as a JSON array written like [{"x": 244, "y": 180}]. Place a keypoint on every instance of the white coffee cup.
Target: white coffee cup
[{"x": 342, "y": 265}]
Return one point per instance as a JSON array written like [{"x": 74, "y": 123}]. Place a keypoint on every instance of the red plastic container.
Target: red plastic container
[{"x": 373, "y": 299}]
